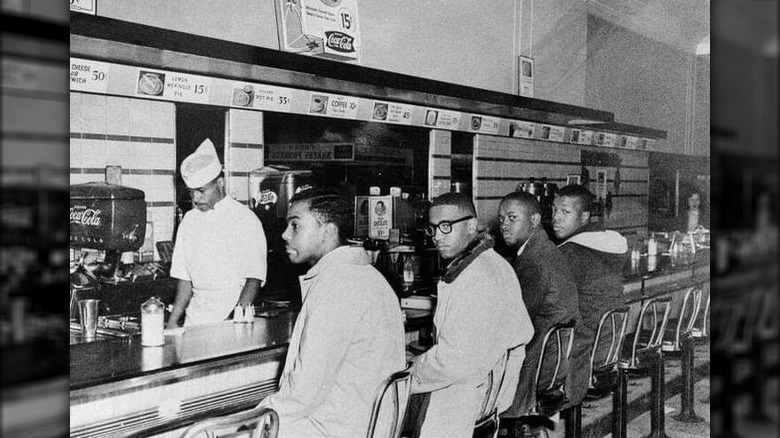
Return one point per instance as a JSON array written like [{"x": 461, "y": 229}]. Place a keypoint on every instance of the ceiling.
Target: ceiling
[{"x": 751, "y": 24}]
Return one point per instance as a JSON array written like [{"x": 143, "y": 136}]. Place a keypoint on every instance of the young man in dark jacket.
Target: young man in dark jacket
[
  {"x": 548, "y": 288},
  {"x": 596, "y": 257}
]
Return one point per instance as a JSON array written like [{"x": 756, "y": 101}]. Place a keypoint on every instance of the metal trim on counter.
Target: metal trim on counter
[{"x": 172, "y": 399}]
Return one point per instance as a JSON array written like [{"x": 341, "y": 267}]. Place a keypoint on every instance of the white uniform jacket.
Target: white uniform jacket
[{"x": 217, "y": 250}]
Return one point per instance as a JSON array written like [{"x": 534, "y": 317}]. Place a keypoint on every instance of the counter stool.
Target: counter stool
[
  {"x": 487, "y": 421},
  {"x": 728, "y": 316},
  {"x": 604, "y": 377},
  {"x": 552, "y": 396},
  {"x": 749, "y": 342},
  {"x": 645, "y": 356},
  {"x": 259, "y": 422},
  {"x": 679, "y": 344},
  {"x": 399, "y": 386}
]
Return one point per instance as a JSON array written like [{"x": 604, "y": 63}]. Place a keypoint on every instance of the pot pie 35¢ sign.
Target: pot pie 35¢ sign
[{"x": 322, "y": 28}]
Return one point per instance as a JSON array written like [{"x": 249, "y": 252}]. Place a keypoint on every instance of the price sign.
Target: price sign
[
  {"x": 484, "y": 124},
  {"x": 609, "y": 139},
  {"x": 448, "y": 119},
  {"x": 187, "y": 88},
  {"x": 272, "y": 98},
  {"x": 399, "y": 113},
  {"x": 344, "y": 107},
  {"x": 521, "y": 129},
  {"x": 556, "y": 133},
  {"x": 88, "y": 75}
]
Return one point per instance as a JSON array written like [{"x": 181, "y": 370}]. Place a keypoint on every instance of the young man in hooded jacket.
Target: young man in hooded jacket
[{"x": 596, "y": 257}]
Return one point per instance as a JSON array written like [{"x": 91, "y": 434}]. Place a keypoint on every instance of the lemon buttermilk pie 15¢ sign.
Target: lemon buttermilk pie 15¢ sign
[{"x": 323, "y": 28}]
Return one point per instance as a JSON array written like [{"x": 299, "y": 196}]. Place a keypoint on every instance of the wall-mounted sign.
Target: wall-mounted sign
[
  {"x": 392, "y": 112},
  {"x": 272, "y": 98},
  {"x": 310, "y": 152},
  {"x": 446, "y": 119},
  {"x": 601, "y": 184},
  {"x": 83, "y": 6},
  {"x": 526, "y": 67},
  {"x": 586, "y": 137},
  {"x": 484, "y": 124},
  {"x": 323, "y": 28},
  {"x": 557, "y": 133},
  {"x": 88, "y": 75},
  {"x": 609, "y": 139},
  {"x": 521, "y": 129}
]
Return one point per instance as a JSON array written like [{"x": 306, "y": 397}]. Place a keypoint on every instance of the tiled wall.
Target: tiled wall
[
  {"x": 136, "y": 134},
  {"x": 501, "y": 163},
  {"x": 439, "y": 161},
  {"x": 244, "y": 152}
]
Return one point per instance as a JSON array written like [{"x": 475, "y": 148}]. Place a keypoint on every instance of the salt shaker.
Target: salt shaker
[
  {"x": 152, "y": 326},
  {"x": 652, "y": 246}
]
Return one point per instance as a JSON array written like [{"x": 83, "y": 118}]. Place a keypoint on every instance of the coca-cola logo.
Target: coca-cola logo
[
  {"x": 85, "y": 216},
  {"x": 339, "y": 42}
]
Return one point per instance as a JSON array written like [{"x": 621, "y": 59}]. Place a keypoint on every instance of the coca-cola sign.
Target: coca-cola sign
[
  {"x": 340, "y": 42},
  {"x": 85, "y": 216}
]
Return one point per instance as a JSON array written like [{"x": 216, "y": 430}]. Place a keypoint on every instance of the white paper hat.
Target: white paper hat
[{"x": 202, "y": 166}]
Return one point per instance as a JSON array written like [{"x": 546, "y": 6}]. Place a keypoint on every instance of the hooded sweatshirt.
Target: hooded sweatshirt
[{"x": 596, "y": 257}]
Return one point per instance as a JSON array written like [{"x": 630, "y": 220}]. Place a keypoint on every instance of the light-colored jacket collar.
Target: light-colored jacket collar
[{"x": 608, "y": 241}]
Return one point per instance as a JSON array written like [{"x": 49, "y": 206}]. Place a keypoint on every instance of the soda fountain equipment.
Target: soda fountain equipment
[{"x": 105, "y": 217}]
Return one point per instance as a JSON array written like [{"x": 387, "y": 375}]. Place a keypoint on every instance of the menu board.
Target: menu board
[
  {"x": 521, "y": 129},
  {"x": 90, "y": 76},
  {"x": 268, "y": 97},
  {"x": 139, "y": 82},
  {"x": 188, "y": 88},
  {"x": 392, "y": 112},
  {"x": 484, "y": 124}
]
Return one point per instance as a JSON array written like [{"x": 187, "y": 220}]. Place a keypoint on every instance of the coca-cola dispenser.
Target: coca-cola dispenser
[{"x": 107, "y": 217}]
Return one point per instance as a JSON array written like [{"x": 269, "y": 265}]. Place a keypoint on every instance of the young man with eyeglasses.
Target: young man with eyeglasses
[
  {"x": 549, "y": 292},
  {"x": 480, "y": 316}
]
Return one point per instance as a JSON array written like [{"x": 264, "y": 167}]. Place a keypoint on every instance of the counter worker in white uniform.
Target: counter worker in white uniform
[
  {"x": 349, "y": 334},
  {"x": 220, "y": 252},
  {"x": 480, "y": 317}
]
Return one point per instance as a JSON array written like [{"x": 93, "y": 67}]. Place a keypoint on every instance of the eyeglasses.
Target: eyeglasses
[{"x": 444, "y": 226}]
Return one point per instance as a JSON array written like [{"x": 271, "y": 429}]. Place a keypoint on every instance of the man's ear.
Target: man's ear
[
  {"x": 585, "y": 217},
  {"x": 472, "y": 224},
  {"x": 536, "y": 219},
  {"x": 330, "y": 231}
]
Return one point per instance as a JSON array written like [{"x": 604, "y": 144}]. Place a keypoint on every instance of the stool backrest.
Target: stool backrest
[
  {"x": 654, "y": 313},
  {"x": 488, "y": 415},
  {"x": 689, "y": 311},
  {"x": 258, "y": 423},
  {"x": 557, "y": 332},
  {"x": 395, "y": 389},
  {"x": 703, "y": 328},
  {"x": 618, "y": 320}
]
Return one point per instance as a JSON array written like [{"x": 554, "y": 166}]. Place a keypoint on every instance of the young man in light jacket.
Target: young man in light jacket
[
  {"x": 480, "y": 318},
  {"x": 349, "y": 335}
]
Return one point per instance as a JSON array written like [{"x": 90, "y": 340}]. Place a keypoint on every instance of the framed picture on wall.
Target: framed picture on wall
[
  {"x": 572, "y": 179},
  {"x": 526, "y": 76}
]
